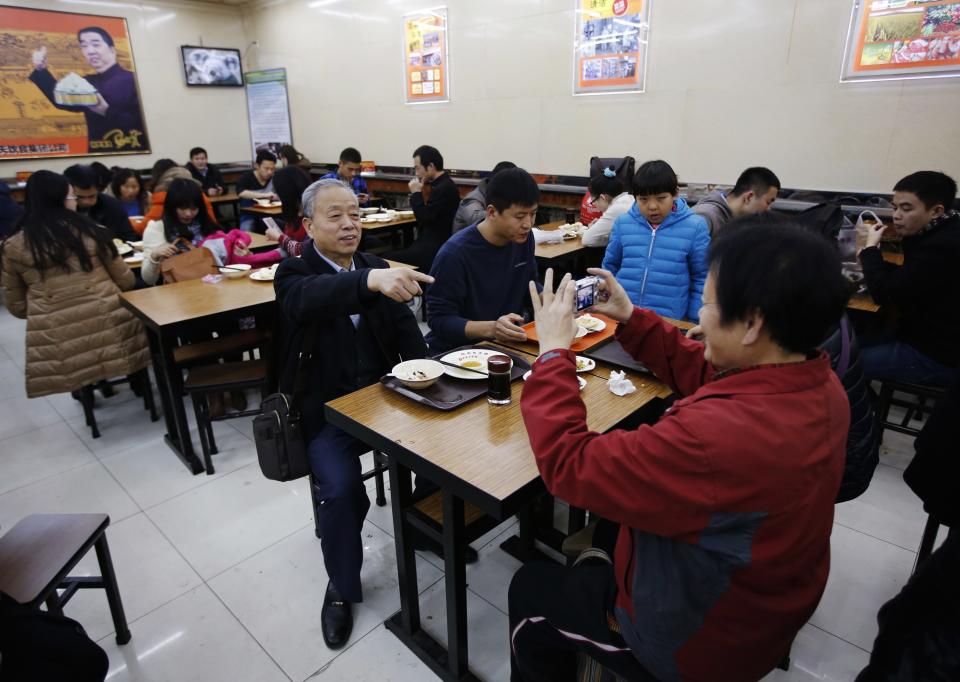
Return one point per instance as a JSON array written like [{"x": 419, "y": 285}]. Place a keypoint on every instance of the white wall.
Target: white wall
[
  {"x": 731, "y": 83},
  {"x": 177, "y": 117}
]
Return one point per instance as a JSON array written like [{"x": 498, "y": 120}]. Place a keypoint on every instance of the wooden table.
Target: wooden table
[
  {"x": 258, "y": 242},
  {"x": 551, "y": 253},
  {"x": 169, "y": 311},
  {"x": 477, "y": 453},
  {"x": 257, "y": 209},
  {"x": 863, "y": 302},
  {"x": 405, "y": 225}
]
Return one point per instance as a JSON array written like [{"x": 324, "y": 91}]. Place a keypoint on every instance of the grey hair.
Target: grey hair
[{"x": 311, "y": 192}]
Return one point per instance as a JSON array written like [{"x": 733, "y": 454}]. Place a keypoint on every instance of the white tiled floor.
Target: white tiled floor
[{"x": 222, "y": 577}]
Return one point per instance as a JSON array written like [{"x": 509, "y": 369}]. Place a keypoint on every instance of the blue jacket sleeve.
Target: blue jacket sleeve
[
  {"x": 305, "y": 296},
  {"x": 446, "y": 299},
  {"x": 614, "y": 252},
  {"x": 697, "y": 263}
]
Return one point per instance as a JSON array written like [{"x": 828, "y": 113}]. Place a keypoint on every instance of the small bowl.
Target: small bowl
[
  {"x": 236, "y": 271},
  {"x": 263, "y": 202},
  {"x": 431, "y": 369}
]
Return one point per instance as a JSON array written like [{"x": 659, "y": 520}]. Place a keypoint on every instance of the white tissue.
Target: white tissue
[
  {"x": 619, "y": 384},
  {"x": 547, "y": 236}
]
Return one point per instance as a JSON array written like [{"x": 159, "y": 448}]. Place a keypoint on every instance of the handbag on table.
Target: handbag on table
[{"x": 192, "y": 263}]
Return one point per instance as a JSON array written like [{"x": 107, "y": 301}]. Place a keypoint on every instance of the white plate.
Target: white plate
[
  {"x": 137, "y": 245},
  {"x": 135, "y": 258},
  {"x": 379, "y": 216},
  {"x": 478, "y": 355},
  {"x": 580, "y": 380},
  {"x": 264, "y": 274},
  {"x": 598, "y": 326},
  {"x": 123, "y": 249},
  {"x": 585, "y": 364}
]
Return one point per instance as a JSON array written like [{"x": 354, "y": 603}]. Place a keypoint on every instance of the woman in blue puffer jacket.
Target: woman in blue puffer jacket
[{"x": 658, "y": 250}]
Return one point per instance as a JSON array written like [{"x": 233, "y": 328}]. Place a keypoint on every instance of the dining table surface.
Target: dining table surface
[
  {"x": 477, "y": 454},
  {"x": 566, "y": 248}
]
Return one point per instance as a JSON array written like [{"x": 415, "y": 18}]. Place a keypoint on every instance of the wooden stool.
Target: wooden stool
[
  {"x": 139, "y": 383},
  {"x": 915, "y": 408},
  {"x": 38, "y": 552},
  {"x": 227, "y": 376}
]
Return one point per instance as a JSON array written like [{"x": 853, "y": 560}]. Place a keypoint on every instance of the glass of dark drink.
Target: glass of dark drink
[{"x": 498, "y": 379}]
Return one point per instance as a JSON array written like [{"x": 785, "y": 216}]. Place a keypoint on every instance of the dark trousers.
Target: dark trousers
[
  {"x": 335, "y": 461},
  {"x": 557, "y": 612}
]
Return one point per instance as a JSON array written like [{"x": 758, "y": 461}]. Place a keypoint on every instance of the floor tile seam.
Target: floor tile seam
[
  {"x": 131, "y": 623},
  {"x": 255, "y": 554},
  {"x": 207, "y": 481},
  {"x": 893, "y": 544},
  {"x": 484, "y": 599},
  {"x": 341, "y": 652},
  {"x": 245, "y": 629},
  {"x": 44, "y": 478},
  {"x": 39, "y": 428},
  {"x": 836, "y": 636}
]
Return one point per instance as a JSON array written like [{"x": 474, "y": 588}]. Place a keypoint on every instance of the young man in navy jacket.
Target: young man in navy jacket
[
  {"x": 482, "y": 271},
  {"x": 363, "y": 328},
  {"x": 725, "y": 505}
]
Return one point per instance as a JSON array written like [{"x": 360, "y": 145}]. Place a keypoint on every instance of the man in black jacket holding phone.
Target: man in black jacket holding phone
[{"x": 364, "y": 328}]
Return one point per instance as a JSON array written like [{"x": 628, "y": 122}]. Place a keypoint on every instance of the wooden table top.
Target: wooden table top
[
  {"x": 262, "y": 210},
  {"x": 194, "y": 299},
  {"x": 863, "y": 301},
  {"x": 405, "y": 220},
  {"x": 484, "y": 445},
  {"x": 39, "y": 547},
  {"x": 224, "y": 198},
  {"x": 565, "y": 248},
  {"x": 895, "y": 258}
]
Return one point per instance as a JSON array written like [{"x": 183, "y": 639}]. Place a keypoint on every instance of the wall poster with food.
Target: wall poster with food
[
  {"x": 894, "y": 39},
  {"x": 425, "y": 56},
  {"x": 68, "y": 86},
  {"x": 610, "y": 46}
]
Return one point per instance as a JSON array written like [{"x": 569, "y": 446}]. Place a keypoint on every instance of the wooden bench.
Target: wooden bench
[{"x": 37, "y": 554}]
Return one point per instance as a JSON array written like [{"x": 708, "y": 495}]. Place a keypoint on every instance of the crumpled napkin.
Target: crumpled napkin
[
  {"x": 547, "y": 236},
  {"x": 619, "y": 384}
]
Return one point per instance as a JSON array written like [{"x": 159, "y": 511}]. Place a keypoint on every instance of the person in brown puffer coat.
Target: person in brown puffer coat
[{"x": 61, "y": 272}]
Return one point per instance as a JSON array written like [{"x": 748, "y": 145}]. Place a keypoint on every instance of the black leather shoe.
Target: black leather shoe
[
  {"x": 336, "y": 618},
  {"x": 423, "y": 543}
]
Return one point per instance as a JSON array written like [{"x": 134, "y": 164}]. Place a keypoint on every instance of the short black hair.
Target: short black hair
[
  {"x": 81, "y": 176},
  {"x": 931, "y": 187},
  {"x": 198, "y": 150},
  {"x": 429, "y": 155},
  {"x": 601, "y": 184},
  {"x": 265, "y": 155},
  {"x": 655, "y": 177},
  {"x": 512, "y": 187},
  {"x": 107, "y": 38},
  {"x": 184, "y": 193},
  {"x": 757, "y": 179},
  {"x": 350, "y": 155},
  {"x": 788, "y": 274},
  {"x": 503, "y": 165}
]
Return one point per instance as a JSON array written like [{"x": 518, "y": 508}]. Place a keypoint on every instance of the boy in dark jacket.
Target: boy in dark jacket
[
  {"x": 725, "y": 504},
  {"x": 925, "y": 289},
  {"x": 363, "y": 328}
]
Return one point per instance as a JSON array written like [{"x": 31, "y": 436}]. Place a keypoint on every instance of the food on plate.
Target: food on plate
[
  {"x": 590, "y": 323},
  {"x": 584, "y": 364},
  {"x": 471, "y": 364},
  {"x": 73, "y": 89}
]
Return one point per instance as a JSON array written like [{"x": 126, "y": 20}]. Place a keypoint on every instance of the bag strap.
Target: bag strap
[
  {"x": 844, "y": 347},
  {"x": 303, "y": 363}
]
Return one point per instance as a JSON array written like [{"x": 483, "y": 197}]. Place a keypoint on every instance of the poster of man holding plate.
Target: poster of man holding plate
[{"x": 67, "y": 86}]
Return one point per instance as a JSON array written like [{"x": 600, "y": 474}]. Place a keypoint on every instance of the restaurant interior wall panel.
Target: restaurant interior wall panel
[
  {"x": 730, "y": 83},
  {"x": 177, "y": 117}
]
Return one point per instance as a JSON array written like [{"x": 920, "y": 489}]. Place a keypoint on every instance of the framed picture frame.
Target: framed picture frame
[
  {"x": 426, "y": 57},
  {"x": 69, "y": 86},
  {"x": 218, "y": 67},
  {"x": 902, "y": 39},
  {"x": 610, "y": 45}
]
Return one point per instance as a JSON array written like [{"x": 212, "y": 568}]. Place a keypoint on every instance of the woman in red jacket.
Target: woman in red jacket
[{"x": 726, "y": 504}]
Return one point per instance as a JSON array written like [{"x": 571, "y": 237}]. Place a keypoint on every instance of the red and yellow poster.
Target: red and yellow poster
[
  {"x": 610, "y": 46},
  {"x": 68, "y": 86},
  {"x": 425, "y": 56},
  {"x": 903, "y": 39}
]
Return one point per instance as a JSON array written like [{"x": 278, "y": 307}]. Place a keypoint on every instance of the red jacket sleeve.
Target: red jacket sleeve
[
  {"x": 657, "y": 478},
  {"x": 676, "y": 360}
]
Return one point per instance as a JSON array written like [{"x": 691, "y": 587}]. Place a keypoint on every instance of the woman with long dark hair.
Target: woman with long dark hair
[
  {"x": 289, "y": 183},
  {"x": 61, "y": 272},
  {"x": 127, "y": 186},
  {"x": 184, "y": 218}
]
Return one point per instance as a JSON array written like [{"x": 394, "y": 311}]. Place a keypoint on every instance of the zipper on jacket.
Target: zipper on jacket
[{"x": 646, "y": 269}]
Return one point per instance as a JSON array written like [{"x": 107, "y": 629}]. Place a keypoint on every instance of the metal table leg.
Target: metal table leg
[{"x": 179, "y": 438}]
